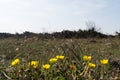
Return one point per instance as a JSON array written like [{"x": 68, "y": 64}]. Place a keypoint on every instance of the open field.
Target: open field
[{"x": 71, "y": 67}]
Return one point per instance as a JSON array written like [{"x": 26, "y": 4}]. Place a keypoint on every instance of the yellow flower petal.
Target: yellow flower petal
[
  {"x": 15, "y": 62},
  {"x": 87, "y": 58},
  {"x": 104, "y": 61},
  {"x": 53, "y": 60},
  {"x": 46, "y": 66},
  {"x": 60, "y": 57},
  {"x": 92, "y": 65},
  {"x": 33, "y": 64}
]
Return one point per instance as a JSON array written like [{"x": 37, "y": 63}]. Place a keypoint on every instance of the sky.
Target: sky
[{"x": 57, "y": 15}]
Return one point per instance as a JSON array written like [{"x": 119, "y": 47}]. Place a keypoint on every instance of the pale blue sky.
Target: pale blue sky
[{"x": 57, "y": 15}]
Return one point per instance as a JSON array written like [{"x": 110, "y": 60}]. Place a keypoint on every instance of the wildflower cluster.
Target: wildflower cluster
[
  {"x": 56, "y": 66},
  {"x": 88, "y": 59},
  {"x": 89, "y": 66},
  {"x": 53, "y": 60}
]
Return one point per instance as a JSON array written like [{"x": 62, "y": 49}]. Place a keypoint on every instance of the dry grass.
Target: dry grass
[{"x": 68, "y": 69}]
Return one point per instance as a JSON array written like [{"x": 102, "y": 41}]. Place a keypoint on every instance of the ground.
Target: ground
[{"x": 27, "y": 49}]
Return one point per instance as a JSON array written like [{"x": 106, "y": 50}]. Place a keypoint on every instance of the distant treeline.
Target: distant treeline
[{"x": 65, "y": 34}]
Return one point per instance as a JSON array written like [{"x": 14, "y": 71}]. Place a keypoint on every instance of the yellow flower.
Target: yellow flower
[
  {"x": 46, "y": 66},
  {"x": 91, "y": 65},
  {"x": 15, "y": 62},
  {"x": 33, "y": 64},
  {"x": 53, "y": 60},
  {"x": 104, "y": 61},
  {"x": 87, "y": 58},
  {"x": 60, "y": 57},
  {"x": 72, "y": 67}
]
